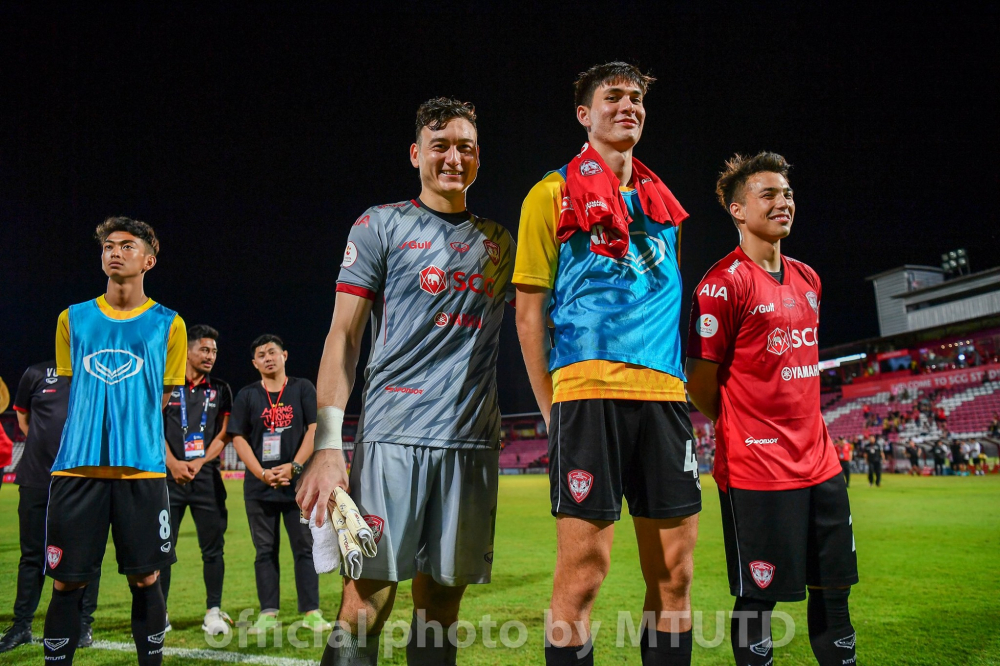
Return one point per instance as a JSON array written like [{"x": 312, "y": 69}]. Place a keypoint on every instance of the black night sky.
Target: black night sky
[{"x": 251, "y": 138}]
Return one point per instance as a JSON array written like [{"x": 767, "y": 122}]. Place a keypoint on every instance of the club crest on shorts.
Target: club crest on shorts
[
  {"x": 493, "y": 250},
  {"x": 580, "y": 483},
  {"x": 762, "y": 572},
  {"x": 53, "y": 556},
  {"x": 376, "y": 524}
]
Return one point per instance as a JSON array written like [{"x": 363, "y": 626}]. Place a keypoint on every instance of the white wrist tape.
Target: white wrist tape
[{"x": 329, "y": 429}]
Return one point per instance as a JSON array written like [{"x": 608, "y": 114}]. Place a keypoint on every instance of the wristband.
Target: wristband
[{"x": 329, "y": 428}]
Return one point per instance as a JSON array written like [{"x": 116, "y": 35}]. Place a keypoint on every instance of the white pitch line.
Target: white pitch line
[{"x": 208, "y": 655}]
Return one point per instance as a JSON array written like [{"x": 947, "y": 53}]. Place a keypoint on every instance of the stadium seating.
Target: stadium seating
[{"x": 521, "y": 453}]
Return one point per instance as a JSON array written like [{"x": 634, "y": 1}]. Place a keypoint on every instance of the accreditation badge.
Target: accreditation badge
[
  {"x": 194, "y": 446},
  {"x": 272, "y": 447}
]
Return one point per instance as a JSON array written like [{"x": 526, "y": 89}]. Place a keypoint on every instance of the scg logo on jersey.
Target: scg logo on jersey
[
  {"x": 435, "y": 281},
  {"x": 806, "y": 337},
  {"x": 112, "y": 365}
]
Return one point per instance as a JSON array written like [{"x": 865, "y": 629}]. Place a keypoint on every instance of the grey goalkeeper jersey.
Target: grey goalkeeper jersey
[{"x": 439, "y": 291}]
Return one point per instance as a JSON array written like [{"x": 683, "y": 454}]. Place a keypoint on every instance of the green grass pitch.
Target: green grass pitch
[{"x": 928, "y": 548}]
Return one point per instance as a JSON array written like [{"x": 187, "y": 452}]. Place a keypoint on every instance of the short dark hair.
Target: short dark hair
[
  {"x": 602, "y": 75},
  {"x": 140, "y": 230},
  {"x": 199, "y": 331},
  {"x": 435, "y": 113},
  {"x": 733, "y": 179},
  {"x": 267, "y": 339}
]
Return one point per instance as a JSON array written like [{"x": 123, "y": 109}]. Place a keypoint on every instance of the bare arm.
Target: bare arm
[
  {"x": 306, "y": 450},
  {"x": 532, "y": 331},
  {"x": 250, "y": 461},
  {"x": 327, "y": 470},
  {"x": 23, "y": 420},
  {"x": 703, "y": 386},
  {"x": 167, "y": 390},
  {"x": 219, "y": 443}
]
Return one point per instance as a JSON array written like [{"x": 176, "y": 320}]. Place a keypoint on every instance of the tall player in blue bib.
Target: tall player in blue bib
[{"x": 124, "y": 354}]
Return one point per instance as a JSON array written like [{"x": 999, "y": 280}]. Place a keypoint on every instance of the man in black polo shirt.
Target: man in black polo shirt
[
  {"x": 194, "y": 423},
  {"x": 41, "y": 401},
  {"x": 874, "y": 456},
  {"x": 273, "y": 425}
]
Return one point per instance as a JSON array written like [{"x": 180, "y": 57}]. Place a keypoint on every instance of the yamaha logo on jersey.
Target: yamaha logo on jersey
[
  {"x": 762, "y": 572},
  {"x": 493, "y": 250},
  {"x": 590, "y": 168},
  {"x": 112, "y": 366},
  {"x": 580, "y": 483}
]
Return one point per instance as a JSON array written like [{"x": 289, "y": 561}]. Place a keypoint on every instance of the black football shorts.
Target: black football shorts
[
  {"x": 82, "y": 510},
  {"x": 601, "y": 450},
  {"x": 780, "y": 541}
]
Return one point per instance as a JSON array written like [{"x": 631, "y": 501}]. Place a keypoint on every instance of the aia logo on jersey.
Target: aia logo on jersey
[
  {"x": 460, "y": 247},
  {"x": 580, "y": 483},
  {"x": 762, "y": 572},
  {"x": 590, "y": 168},
  {"x": 813, "y": 301},
  {"x": 715, "y": 292},
  {"x": 778, "y": 342},
  {"x": 376, "y": 524},
  {"x": 53, "y": 556},
  {"x": 493, "y": 250},
  {"x": 432, "y": 280},
  {"x": 362, "y": 220}
]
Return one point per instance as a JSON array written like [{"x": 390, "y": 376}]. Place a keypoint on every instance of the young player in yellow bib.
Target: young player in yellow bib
[
  {"x": 124, "y": 353},
  {"x": 598, "y": 257}
]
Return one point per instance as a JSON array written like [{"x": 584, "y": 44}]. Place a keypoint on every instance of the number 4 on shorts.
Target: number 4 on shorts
[{"x": 690, "y": 459}]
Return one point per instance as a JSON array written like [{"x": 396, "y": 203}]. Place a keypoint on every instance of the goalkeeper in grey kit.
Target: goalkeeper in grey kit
[{"x": 434, "y": 279}]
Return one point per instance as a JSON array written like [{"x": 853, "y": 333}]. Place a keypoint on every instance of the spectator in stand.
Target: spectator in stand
[
  {"x": 940, "y": 453},
  {"x": 913, "y": 453},
  {"x": 844, "y": 453},
  {"x": 874, "y": 455},
  {"x": 995, "y": 425},
  {"x": 940, "y": 416}
]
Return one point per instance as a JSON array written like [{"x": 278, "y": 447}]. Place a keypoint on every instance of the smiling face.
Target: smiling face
[
  {"x": 448, "y": 158},
  {"x": 124, "y": 256},
  {"x": 202, "y": 354},
  {"x": 269, "y": 359},
  {"x": 767, "y": 207},
  {"x": 615, "y": 116}
]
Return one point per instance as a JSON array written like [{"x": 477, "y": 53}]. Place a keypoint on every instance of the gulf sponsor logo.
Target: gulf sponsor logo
[
  {"x": 791, "y": 372},
  {"x": 714, "y": 291},
  {"x": 416, "y": 245},
  {"x": 761, "y": 308},
  {"x": 436, "y": 281}
]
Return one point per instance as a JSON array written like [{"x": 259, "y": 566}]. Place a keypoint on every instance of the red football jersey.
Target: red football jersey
[{"x": 770, "y": 434}]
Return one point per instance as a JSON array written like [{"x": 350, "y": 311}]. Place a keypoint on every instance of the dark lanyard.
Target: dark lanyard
[
  {"x": 274, "y": 405},
  {"x": 184, "y": 413}
]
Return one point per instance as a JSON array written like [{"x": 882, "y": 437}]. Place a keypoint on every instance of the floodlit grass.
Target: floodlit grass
[{"x": 929, "y": 594}]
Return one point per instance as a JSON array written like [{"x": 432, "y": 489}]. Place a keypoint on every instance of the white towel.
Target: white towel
[{"x": 326, "y": 552}]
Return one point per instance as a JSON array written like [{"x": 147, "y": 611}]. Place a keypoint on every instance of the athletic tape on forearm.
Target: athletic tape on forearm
[{"x": 329, "y": 429}]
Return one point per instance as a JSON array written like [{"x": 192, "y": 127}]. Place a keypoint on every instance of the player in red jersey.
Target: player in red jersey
[{"x": 753, "y": 369}]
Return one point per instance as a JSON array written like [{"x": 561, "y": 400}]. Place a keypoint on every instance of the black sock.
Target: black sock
[
  {"x": 62, "y": 626},
  {"x": 668, "y": 649},
  {"x": 429, "y": 645},
  {"x": 830, "y": 631},
  {"x": 214, "y": 571},
  {"x": 750, "y": 631},
  {"x": 573, "y": 655},
  {"x": 149, "y": 619}
]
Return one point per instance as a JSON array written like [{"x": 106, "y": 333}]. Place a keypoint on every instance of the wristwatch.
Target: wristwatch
[{"x": 296, "y": 469}]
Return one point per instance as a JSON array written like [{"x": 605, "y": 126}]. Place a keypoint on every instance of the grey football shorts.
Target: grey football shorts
[{"x": 433, "y": 510}]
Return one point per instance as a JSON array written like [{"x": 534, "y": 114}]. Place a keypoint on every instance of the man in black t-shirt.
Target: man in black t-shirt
[
  {"x": 874, "y": 456},
  {"x": 194, "y": 424},
  {"x": 40, "y": 403},
  {"x": 273, "y": 424},
  {"x": 913, "y": 453},
  {"x": 940, "y": 453}
]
